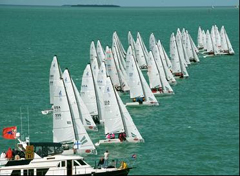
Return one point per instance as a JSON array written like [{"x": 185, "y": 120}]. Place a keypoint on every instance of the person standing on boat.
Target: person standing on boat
[
  {"x": 106, "y": 155},
  {"x": 9, "y": 154},
  {"x": 101, "y": 163}
]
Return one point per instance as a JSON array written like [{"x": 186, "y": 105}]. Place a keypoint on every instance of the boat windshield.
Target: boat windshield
[{"x": 44, "y": 149}]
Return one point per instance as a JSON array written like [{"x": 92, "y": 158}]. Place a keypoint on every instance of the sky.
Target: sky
[{"x": 127, "y": 3}]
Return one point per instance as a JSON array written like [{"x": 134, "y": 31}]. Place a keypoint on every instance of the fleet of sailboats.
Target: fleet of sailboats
[
  {"x": 214, "y": 42},
  {"x": 113, "y": 70}
]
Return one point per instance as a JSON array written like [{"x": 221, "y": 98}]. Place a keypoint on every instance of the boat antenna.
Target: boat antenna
[
  {"x": 28, "y": 125},
  {"x": 21, "y": 119}
]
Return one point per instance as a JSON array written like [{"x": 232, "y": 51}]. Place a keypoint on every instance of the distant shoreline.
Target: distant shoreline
[
  {"x": 230, "y": 6},
  {"x": 92, "y": 5}
]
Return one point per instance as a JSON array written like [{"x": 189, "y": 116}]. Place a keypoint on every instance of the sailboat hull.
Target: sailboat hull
[
  {"x": 117, "y": 141},
  {"x": 137, "y": 104},
  {"x": 160, "y": 94}
]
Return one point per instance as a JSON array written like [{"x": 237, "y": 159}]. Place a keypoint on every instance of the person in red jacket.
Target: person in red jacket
[{"x": 9, "y": 154}]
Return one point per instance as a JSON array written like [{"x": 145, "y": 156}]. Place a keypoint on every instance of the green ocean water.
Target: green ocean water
[{"x": 194, "y": 132}]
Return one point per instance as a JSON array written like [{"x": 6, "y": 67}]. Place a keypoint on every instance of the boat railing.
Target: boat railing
[{"x": 116, "y": 163}]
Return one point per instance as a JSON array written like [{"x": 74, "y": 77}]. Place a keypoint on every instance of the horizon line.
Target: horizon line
[{"x": 70, "y": 5}]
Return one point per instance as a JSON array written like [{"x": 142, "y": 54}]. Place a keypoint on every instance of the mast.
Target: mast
[
  {"x": 158, "y": 71},
  {"x": 138, "y": 69},
  {"x": 120, "y": 79},
  {"x": 97, "y": 98},
  {"x": 74, "y": 91}
]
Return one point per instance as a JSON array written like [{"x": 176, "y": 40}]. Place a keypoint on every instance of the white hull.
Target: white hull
[
  {"x": 137, "y": 104},
  {"x": 159, "y": 94},
  {"x": 117, "y": 141}
]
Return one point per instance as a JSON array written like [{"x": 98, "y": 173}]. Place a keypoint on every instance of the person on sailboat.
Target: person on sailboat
[
  {"x": 112, "y": 136},
  {"x": 108, "y": 136},
  {"x": 120, "y": 137}
]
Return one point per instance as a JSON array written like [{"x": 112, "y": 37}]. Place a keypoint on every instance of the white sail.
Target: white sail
[
  {"x": 165, "y": 86},
  {"x": 209, "y": 43},
  {"x": 119, "y": 43},
  {"x": 150, "y": 99},
  {"x": 204, "y": 40},
  {"x": 218, "y": 38},
  {"x": 132, "y": 43},
  {"x": 74, "y": 102},
  {"x": 132, "y": 133},
  {"x": 180, "y": 48},
  {"x": 100, "y": 53},
  {"x": 93, "y": 51},
  {"x": 90, "y": 124},
  {"x": 225, "y": 42},
  {"x": 95, "y": 68},
  {"x": 153, "y": 74},
  {"x": 195, "y": 56},
  {"x": 67, "y": 127},
  {"x": 87, "y": 91},
  {"x": 118, "y": 119},
  {"x": 54, "y": 75},
  {"x": 119, "y": 55},
  {"x": 152, "y": 41},
  {"x": 102, "y": 76},
  {"x": 134, "y": 81},
  {"x": 144, "y": 48},
  {"x": 216, "y": 49},
  {"x": 189, "y": 47},
  {"x": 62, "y": 121},
  {"x": 176, "y": 68},
  {"x": 200, "y": 38},
  {"x": 230, "y": 48},
  {"x": 113, "y": 122},
  {"x": 169, "y": 64},
  {"x": 184, "y": 44},
  {"x": 141, "y": 61},
  {"x": 193, "y": 44},
  {"x": 111, "y": 68}
]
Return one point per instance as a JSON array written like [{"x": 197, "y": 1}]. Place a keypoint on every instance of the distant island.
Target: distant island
[{"x": 93, "y": 5}]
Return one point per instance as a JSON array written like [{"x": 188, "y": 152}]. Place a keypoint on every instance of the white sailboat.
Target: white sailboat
[
  {"x": 88, "y": 93},
  {"x": 179, "y": 69},
  {"x": 144, "y": 49},
  {"x": 204, "y": 40},
  {"x": 169, "y": 76},
  {"x": 140, "y": 92},
  {"x": 114, "y": 71},
  {"x": 76, "y": 103},
  {"x": 225, "y": 42},
  {"x": 54, "y": 75},
  {"x": 67, "y": 127},
  {"x": 209, "y": 44},
  {"x": 200, "y": 39},
  {"x": 141, "y": 60},
  {"x": 118, "y": 120},
  {"x": 157, "y": 82}
]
